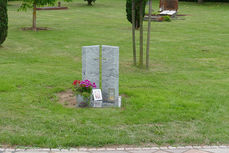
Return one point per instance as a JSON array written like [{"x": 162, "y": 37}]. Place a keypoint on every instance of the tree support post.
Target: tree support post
[
  {"x": 34, "y": 27},
  {"x": 148, "y": 37},
  {"x": 141, "y": 34},
  {"x": 133, "y": 32}
]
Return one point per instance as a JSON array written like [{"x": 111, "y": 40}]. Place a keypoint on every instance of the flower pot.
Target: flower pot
[{"x": 82, "y": 101}]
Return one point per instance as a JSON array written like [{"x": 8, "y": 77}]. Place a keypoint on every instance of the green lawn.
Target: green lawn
[{"x": 182, "y": 99}]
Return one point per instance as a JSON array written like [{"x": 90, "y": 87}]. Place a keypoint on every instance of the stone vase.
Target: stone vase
[{"x": 82, "y": 101}]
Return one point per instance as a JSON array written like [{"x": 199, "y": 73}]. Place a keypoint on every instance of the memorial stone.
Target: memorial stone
[
  {"x": 110, "y": 74},
  {"x": 90, "y": 64}
]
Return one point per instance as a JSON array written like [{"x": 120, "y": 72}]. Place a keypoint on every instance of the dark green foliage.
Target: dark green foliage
[
  {"x": 29, "y": 3},
  {"x": 137, "y": 8},
  {"x": 3, "y": 21},
  {"x": 90, "y": 1}
]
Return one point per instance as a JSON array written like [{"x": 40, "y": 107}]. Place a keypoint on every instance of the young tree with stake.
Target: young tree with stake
[
  {"x": 135, "y": 12},
  {"x": 33, "y": 4}
]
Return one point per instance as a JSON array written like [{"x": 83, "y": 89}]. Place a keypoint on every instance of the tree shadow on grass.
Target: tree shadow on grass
[
  {"x": 84, "y": 5},
  {"x": 37, "y": 29}
]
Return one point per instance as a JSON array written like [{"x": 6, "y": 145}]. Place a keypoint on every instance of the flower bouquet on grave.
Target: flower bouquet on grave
[{"x": 83, "y": 91}]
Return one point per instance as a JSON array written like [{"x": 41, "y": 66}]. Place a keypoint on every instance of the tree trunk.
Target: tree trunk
[
  {"x": 133, "y": 32},
  {"x": 141, "y": 34},
  {"x": 34, "y": 27},
  {"x": 148, "y": 36},
  {"x": 89, "y": 2},
  {"x": 200, "y": 1}
]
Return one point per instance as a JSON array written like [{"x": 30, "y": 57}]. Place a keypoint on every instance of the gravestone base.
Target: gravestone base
[
  {"x": 96, "y": 104},
  {"x": 106, "y": 104},
  {"x": 110, "y": 104}
]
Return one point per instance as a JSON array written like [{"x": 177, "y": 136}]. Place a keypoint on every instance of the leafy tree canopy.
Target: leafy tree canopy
[
  {"x": 137, "y": 9},
  {"x": 29, "y": 3}
]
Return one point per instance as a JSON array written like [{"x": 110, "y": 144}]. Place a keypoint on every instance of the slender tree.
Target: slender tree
[
  {"x": 148, "y": 36},
  {"x": 33, "y": 4},
  {"x": 133, "y": 33},
  {"x": 200, "y": 1},
  {"x": 141, "y": 34},
  {"x": 135, "y": 12},
  {"x": 3, "y": 21}
]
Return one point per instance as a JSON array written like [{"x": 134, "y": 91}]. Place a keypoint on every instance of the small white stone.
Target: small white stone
[
  {"x": 206, "y": 147},
  {"x": 155, "y": 148},
  {"x": 223, "y": 146},
  {"x": 146, "y": 148},
  {"x": 2, "y": 149},
  {"x": 110, "y": 149},
  {"x": 44, "y": 149},
  {"x": 9, "y": 150},
  {"x": 64, "y": 150},
  {"x": 129, "y": 148},
  {"x": 138, "y": 148},
  {"x": 163, "y": 148},
  {"x": 92, "y": 149},
  {"x": 34, "y": 151},
  {"x": 82, "y": 149},
  {"x": 55, "y": 150},
  {"x": 188, "y": 147},
  {"x": 170, "y": 147},
  {"x": 120, "y": 148},
  {"x": 196, "y": 147},
  {"x": 73, "y": 149},
  {"x": 180, "y": 147},
  {"x": 19, "y": 149},
  {"x": 101, "y": 149},
  {"x": 215, "y": 147}
]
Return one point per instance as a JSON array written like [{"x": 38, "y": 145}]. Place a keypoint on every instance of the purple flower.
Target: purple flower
[{"x": 94, "y": 85}]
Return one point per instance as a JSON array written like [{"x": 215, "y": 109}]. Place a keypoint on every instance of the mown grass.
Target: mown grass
[{"x": 182, "y": 99}]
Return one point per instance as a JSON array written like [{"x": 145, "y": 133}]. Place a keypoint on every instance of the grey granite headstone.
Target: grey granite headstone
[
  {"x": 110, "y": 71},
  {"x": 90, "y": 64}
]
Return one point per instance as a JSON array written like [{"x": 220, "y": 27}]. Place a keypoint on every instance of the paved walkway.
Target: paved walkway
[{"x": 187, "y": 149}]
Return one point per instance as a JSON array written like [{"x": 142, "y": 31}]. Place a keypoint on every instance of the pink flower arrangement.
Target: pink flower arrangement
[{"x": 83, "y": 87}]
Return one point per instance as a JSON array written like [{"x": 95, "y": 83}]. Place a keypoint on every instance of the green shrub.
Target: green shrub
[
  {"x": 137, "y": 8},
  {"x": 3, "y": 21},
  {"x": 166, "y": 18}
]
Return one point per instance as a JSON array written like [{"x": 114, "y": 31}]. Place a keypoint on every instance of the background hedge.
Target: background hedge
[{"x": 3, "y": 21}]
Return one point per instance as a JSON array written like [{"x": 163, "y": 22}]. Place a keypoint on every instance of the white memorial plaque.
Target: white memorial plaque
[{"x": 97, "y": 94}]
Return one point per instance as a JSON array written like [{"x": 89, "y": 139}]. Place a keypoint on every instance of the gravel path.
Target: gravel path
[{"x": 186, "y": 149}]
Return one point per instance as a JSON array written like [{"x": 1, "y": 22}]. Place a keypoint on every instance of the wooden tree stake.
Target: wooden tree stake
[
  {"x": 141, "y": 34},
  {"x": 34, "y": 17},
  {"x": 148, "y": 37},
  {"x": 133, "y": 32}
]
